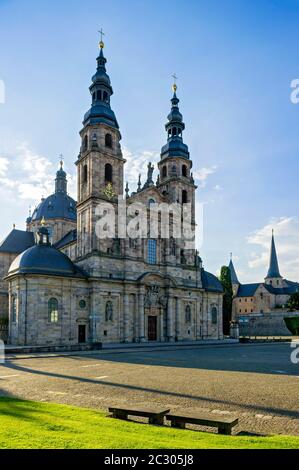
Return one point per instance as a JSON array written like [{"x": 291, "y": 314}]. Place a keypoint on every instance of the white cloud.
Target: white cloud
[
  {"x": 137, "y": 164},
  {"x": 28, "y": 176},
  {"x": 286, "y": 231},
  {"x": 218, "y": 187},
  {"x": 202, "y": 174}
]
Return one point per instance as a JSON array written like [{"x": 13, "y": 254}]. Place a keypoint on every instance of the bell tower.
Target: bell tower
[
  {"x": 175, "y": 179},
  {"x": 100, "y": 164}
]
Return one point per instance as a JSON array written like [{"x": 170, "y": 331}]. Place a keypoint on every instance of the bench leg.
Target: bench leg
[
  {"x": 157, "y": 420},
  {"x": 120, "y": 415},
  {"x": 178, "y": 424},
  {"x": 227, "y": 430}
]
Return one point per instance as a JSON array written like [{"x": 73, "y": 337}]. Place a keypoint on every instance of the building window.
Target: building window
[
  {"x": 14, "y": 308},
  {"x": 214, "y": 315},
  {"x": 85, "y": 143},
  {"x": 109, "y": 311},
  {"x": 151, "y": 202},
  {"x": 164, "y": 171},
  {"x": 108, "y": 173},
  {"x": 53, "y": 310},
  {"x": 188, "y": 314},
  {"x": 99, "y": 95},
  {"x": 108, "y": 141},
  {"x": 184, "y": 170},
  {"x": 82, "y": 304},
  {"x": 184, "y": 197},
  {"x": 152, "y": 252},
  {"x": 85, "y": 174}
]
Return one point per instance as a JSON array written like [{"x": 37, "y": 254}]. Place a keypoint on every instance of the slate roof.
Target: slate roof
[
  {"x": 233, "y": 275},
  {"x": 273, "y": 267},
  {"x": 70, "y": 237},
  {"x": 44, "y": 260},
  {"x": 17, "y": 242},
  {"x": 210, "y": 282},
  {"x": 248, "y": 290},
  {"x": 56, "y": 206}
]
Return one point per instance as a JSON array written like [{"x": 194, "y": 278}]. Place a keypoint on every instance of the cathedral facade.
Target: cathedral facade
[{"x": 73, "y": 281}]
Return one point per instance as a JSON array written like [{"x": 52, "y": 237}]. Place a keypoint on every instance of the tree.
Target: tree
[
  {"x": 225, "y": 279},
  {"x": 293, "y": 302}
]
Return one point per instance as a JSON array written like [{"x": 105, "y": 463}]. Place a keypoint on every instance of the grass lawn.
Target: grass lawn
[{"x": 27, "y": 424}]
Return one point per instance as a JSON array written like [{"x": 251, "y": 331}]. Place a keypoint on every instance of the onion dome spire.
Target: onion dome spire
[
  {"x": 61, "y": 181},
  {"x": 174, "y": 128},
  {"x": 101, "y": 92}
]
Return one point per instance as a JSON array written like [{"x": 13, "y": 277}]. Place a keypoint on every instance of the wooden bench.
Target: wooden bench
[
  {"x": 223, "y": 423},
  {"x": 155, "y": 415}
]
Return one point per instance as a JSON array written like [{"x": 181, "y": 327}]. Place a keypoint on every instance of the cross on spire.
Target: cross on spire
[
  {"x": 101, "y": 42},
  {"x": 174, "y": 87}
]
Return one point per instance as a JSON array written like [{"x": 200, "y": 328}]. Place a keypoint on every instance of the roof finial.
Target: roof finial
[
  {"x": 231, "y": 256},
  {"x": 61, "y": 161},
  {"x": 43, "y": 222},
  {"x": 174, "y": 86},
  {"x": 14, "y": 226},
  {"x": 101, "y": 43}
]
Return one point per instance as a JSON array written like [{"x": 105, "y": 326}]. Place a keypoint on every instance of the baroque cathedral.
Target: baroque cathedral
[{"x": 63, "y": 285}]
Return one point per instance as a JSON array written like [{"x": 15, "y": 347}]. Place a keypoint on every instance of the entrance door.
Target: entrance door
[
  {"x": 152, "y": 328},
  {"x": 82, "y": 333}
]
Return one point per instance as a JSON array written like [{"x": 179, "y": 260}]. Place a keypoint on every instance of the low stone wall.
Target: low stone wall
[
  {"x": 49, "y": 349},
  {"x": 268, "y": 324}
]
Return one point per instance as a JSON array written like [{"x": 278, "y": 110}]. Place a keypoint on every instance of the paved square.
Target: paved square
[{"x": 256, "y": 382}]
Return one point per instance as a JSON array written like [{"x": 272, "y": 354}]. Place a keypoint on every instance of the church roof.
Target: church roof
[
  {"x": 273, "y": 267},
  {"x": 70, "y": 237},
  {"x": 17, "y": 242},
  {"x": 44, "y": 260},
  {"x": 57, "y": 206},
  {"x": 248, "y": 290},
  {"x": 210, "y": 282},
  {"x": 233, "y": 275}
]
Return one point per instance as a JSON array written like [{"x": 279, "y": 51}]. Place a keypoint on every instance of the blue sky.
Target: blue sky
[{"x": 235, "y": 61}]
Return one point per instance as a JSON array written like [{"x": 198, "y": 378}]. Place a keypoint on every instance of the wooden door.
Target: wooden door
[{"x": 152, "y": 328}]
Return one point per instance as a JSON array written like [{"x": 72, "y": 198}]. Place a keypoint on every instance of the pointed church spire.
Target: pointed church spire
[
  {"x": 174, "y": 128},
  {"x": 233, "y": 274},
  {"x": 273, "y": 271}
]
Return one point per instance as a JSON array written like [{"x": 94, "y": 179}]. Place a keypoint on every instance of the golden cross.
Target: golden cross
[{"x": 102, "y": 34}]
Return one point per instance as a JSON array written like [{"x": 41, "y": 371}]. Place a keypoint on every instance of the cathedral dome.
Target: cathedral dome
[
  {"x": 43, "y": 258},
  {"x": 57, "y": 206}
]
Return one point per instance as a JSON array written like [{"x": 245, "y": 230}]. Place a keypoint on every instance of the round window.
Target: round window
[{"x": 82, "y": 304}]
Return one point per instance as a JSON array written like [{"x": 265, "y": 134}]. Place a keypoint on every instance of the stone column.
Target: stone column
[
  {"x": 126, "y": 318},
  {"x": 141, "y": 315},
  {"x": 170, "y": 316},
  {"x": 178, "y": 318}
]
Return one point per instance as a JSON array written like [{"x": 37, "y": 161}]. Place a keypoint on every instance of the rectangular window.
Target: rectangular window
[{"x": 152, "y": 252}]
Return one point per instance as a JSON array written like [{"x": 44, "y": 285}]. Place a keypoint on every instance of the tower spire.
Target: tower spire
[
  {"x": 101, "y": 92},
  {"x": 175, "y": 126},
  {"x": 233, "y": 274},
  {"x": 273, "y": 271},
  {"x": 61, "y": 181}
]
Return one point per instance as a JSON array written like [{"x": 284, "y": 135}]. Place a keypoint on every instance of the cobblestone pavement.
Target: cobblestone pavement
[{"x": 257, "y": 383}]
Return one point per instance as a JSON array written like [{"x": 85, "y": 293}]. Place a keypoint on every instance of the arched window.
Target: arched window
[
  {"x": 214, "y": 315},
  {"x": 174, "y": 132},
  {"x": 152, "y": 252},
  {"x": 184, "y": 170},
  {"x": 85, "y": 174},
  {"x": 109, "y": 311},
  {"x": 108, "y": 140},
  {"x": 14, "y": 308},
  {"x": 188, "y": 314},
  {"x": 184, "y": 197},
  {"x": 108, "y": 173},
  {"x": 151, "y": 202},
  {"x": 99, "y": 95},
  {"x": 172, "y": 246},
  {"x": 85, "y": 143},
  {"x": 164, "y": 171},
  {"x": 53, "y": 310}
]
